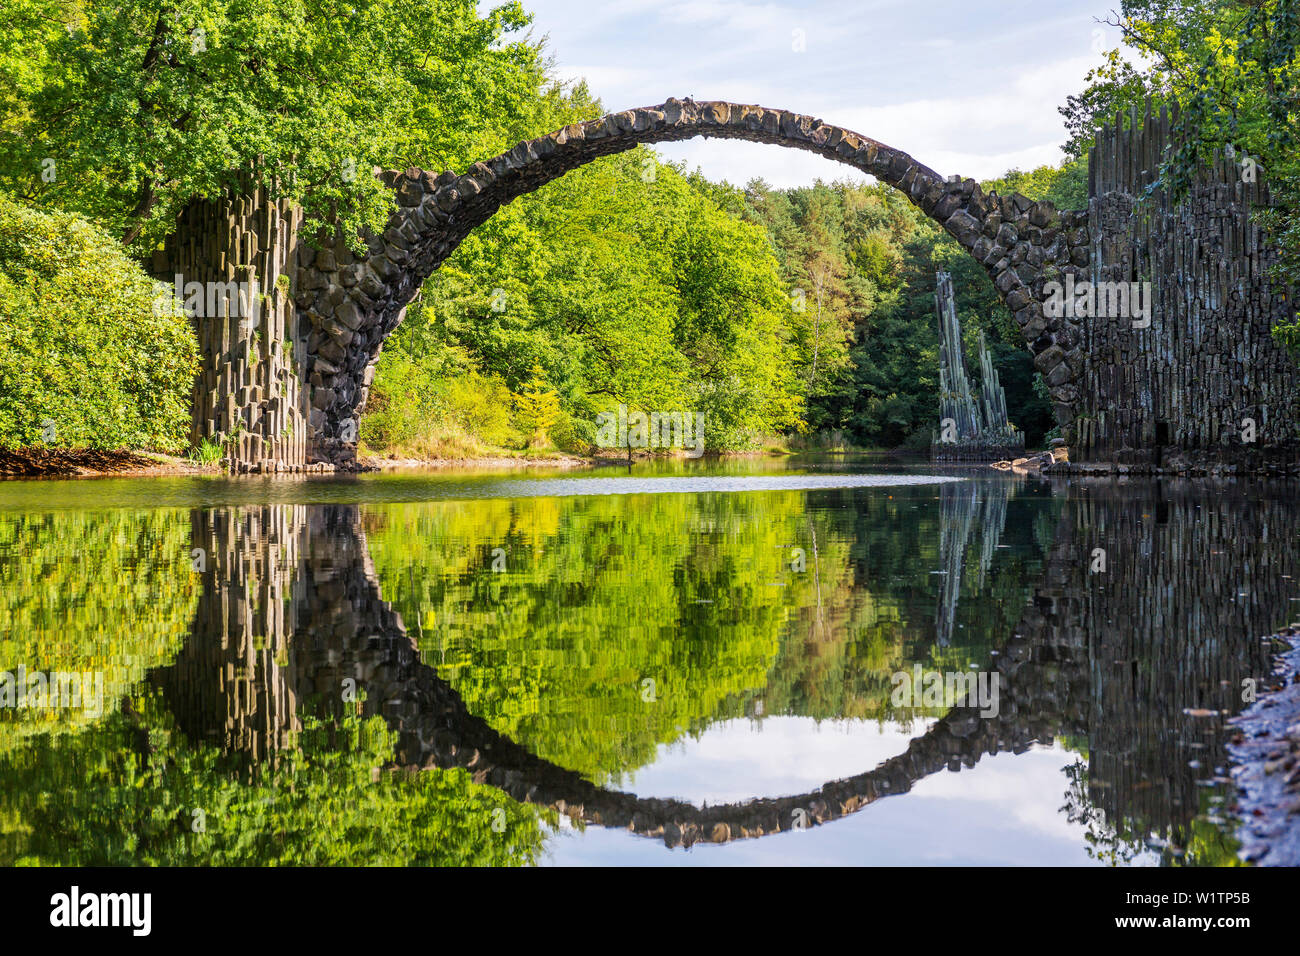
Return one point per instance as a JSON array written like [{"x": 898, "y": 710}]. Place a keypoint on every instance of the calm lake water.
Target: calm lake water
[{"x": 684, "y": 664}]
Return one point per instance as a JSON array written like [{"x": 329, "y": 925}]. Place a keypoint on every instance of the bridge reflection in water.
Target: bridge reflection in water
[{"x": 1122, "y": 663}]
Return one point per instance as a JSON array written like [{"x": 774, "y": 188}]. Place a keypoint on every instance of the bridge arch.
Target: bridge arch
[
  {"x": 297, "y": 649},
  {"x": 349, "y": 305}
]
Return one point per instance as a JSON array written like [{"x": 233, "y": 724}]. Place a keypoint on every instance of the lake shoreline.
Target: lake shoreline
[
  {"x": 63, "y": 463},
  {"x": 1266, "y": 754},
  {"x": 560, "y": 460}
]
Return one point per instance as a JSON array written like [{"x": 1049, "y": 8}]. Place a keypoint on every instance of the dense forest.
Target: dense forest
[{"x": 793, "y": 317}]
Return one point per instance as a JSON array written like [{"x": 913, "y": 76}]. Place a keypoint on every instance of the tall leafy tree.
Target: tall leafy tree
[
  {"x": 124, "y": 111},
  {"x": 1233, "y": 69}
]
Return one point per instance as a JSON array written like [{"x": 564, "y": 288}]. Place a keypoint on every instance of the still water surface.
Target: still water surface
[{"x": 683, "y": 664}]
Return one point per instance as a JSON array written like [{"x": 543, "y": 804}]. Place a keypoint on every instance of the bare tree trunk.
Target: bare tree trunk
[{"x": 820, "y": 281}]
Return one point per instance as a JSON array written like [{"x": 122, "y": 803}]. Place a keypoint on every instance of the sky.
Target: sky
[
  {"x": 1005, "y": 811},
  {"x": 968, "y": 87}
]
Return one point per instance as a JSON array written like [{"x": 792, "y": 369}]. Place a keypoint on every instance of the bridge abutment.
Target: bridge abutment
[
  {"x": 232, "y": 262},
  {"x": 1203, "y": 385}
]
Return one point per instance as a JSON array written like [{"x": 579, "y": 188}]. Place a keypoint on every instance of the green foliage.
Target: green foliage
[
  {"x": 323, "y": 804},
  {"x": 554, "y": 652},
  {"x": 826, "y": 292},
  {"x": 141, "y": 106},
  {"x": 600, "y": 593},
  {"x": 1113, "y": 89},
  {"x": 623, "y": 282},
  {"x": 421, "y": 404},
  {"x": 106, "y": 592},
  {"x": 537, "y": 407},
  {"x": 88, "y": 349},
  {"x": 1119, "y": 841},
  {"x": 1064, "y": 186},
  {"x": 865, "y": 259},
  {"x": 208, "y": 452},
  {"x": 1233, "y": 70}
]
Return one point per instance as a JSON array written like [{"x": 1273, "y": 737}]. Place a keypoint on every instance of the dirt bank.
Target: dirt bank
[{"x": 39, "y": 462}]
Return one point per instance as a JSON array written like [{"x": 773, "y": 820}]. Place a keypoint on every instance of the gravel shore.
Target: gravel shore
[{"x": 1266, "y": 751}]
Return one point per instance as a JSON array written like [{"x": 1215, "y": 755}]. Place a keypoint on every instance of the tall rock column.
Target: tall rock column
[
  {"x": 982, "y": 431},
  {"x": 1196, "y": 383},
  {"x": 231, "y": 262},
  {"x": 955, "y": 401}
]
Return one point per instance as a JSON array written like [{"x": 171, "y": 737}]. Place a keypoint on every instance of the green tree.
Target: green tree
[
  {"x": 160, "y": 800},
  {"x": 60, "y": 617},
  {"x": 626, "y": 282},
  {"x": 92, "y": 351},
  {"x": 125, "y": 111},
  {"x": 1064, "y": 186},
  {"x": 537, "y": 407},
  {"x": 870, "y": 256}
]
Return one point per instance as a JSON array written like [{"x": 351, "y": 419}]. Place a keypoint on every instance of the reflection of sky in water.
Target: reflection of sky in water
[
  {"x": 741, "y": 759},
  {"x": 1003, "y": 812}
]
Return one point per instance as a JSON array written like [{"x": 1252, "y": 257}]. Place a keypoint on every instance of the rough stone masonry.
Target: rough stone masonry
[{"x": 347, "y": 305}]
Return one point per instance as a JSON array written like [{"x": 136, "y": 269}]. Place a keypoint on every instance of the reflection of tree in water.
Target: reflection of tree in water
[
  {"x": 124, "y": 611},
  {"x": 292, "y": 605},
  {"x": 226, "y": 761},
  {"x": 1105, "y": 842},
  {"x": 1171, "y": 630},
  {"x": 1080, "y": 663},
  {"x": 1204, "y": 839},
  {"x": 700, "y": 592},
  {"x": 1115, "y": 662},
  {"x": 100, "y": 798}
]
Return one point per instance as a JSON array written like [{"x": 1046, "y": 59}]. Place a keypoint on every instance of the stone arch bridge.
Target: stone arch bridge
[{"x": 288, "y": 388}]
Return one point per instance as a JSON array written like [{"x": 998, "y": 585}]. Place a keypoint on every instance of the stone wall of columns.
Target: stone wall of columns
[
  {"x": 233, "y": 261},
  {"x": 1204, "y": 387}
]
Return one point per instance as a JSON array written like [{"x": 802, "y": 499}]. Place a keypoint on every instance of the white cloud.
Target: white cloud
[
  {"x": 738, "y": 162},
  {"x": 728, "y": 14},
  {"x": 609, "y": 77},
  {"x": 957, "y": 89},
  {"x": 738, "y": 760}
]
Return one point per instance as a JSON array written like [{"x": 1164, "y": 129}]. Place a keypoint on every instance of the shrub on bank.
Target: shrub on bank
[
  {"x": 86, "y": 357},
  {"x": 428, "y": 411}
]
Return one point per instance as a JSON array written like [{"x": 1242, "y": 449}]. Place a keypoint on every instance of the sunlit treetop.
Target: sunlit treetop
[
  {"x": 1232, "y": 68},
  {"x": 123, "y": 111}
]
